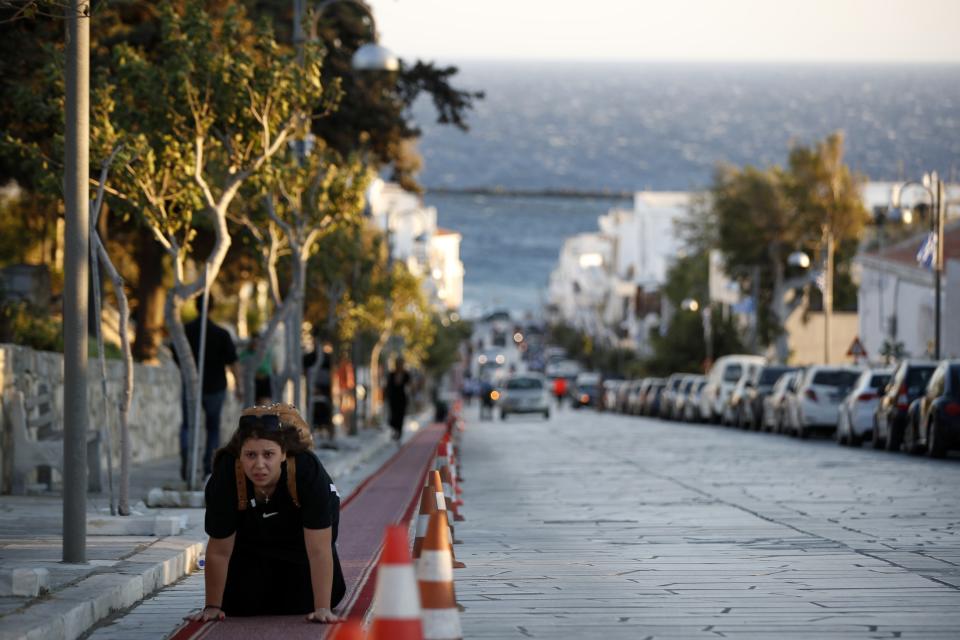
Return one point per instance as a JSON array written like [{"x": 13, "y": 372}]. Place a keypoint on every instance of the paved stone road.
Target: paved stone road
[{"x": 604, "y": 526}]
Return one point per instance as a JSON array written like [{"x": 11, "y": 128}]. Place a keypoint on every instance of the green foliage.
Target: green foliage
[
  {"x": 24, "y": 324},
  {"x": 683, "y": 348},
  {"x": 613, "y": 362},
  {"x": 444, "y": 351},
  {"x": 756, "y": 217}
]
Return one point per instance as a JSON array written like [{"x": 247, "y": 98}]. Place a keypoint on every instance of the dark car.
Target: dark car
[
  {"x": 907, "y": 384},
  {"x": 652, "y": 397},
  {"x": 586, "y": 390},
  {"x": 934, "y": 425},
  {"x": 760, "y": 385}
]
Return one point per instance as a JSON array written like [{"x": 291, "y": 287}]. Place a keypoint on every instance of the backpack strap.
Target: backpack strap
[
  {"x": 292, "y": 480},
  {"x": 241, "y": 486}
]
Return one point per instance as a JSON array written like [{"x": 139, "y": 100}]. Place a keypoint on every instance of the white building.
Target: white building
[
  {"x": 580, "y": 284},
  {"x": 427, "y": 251},
  {"x": 896, "y": 298},
  {"x": 603, "y": 280}
]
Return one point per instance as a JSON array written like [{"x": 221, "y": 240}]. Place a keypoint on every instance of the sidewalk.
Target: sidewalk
[{"x": 40, "y": 597}]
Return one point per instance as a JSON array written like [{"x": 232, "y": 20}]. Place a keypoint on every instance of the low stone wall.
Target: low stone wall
[{"x": 155, "y": 406}]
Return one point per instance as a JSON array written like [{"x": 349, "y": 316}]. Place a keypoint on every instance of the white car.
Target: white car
[
  {"x": 773, "y": 404},
  {"x": 855, "y": 419},
  {"x": 815, "y": 403},
  {"x": 723, "y": 376},
  {"x": 526, "y": 393}
]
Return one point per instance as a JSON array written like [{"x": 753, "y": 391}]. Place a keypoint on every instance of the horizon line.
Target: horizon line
[{"x": 688, "y": 61}]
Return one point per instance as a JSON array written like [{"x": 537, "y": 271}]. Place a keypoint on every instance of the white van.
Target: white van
[{"x": 723, "y": 377}]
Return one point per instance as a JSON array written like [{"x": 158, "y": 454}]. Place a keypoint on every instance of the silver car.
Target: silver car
[{"x": 524, "y": 393}]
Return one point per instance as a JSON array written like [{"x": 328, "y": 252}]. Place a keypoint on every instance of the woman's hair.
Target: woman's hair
[{"x": 274, "y": 423}]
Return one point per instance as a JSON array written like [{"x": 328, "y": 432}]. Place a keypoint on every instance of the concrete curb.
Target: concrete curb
[{"x": 67, "y": 613}]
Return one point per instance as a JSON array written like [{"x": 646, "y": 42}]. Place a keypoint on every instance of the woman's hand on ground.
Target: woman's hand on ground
[
  {"x": 207, "y": 614},
  {"x": 323, "y": 616}
]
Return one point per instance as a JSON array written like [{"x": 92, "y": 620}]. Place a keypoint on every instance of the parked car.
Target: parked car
[
  {"x": 813, "y": 406},
  {"x": 638, "y": 398},
  {"x": 682, "y": 397},
  {"x": 756, "y": 390},
  {"x": 855, "y": 415},
  {"x": 773, "y": 403},
  {"x": 724, "y": 374},
  {"x": 608, "y": 399},
  {"x": 907, "y": 384},
  {"x": 691, "y": 408},
  {"x": 934, "y": 427},
  {"x": 631, "y": 397},
  {"x": 586, "y": 390},
  {"x": 733, "y": 407},
  {"x": 524, "y": 393},
  {"x": 623, "y": 395},
  {"x": 669, "y": 395},
  {"x": 652, "y": 395}
]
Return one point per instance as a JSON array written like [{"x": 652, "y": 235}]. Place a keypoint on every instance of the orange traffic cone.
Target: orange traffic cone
[
  {"x": 441, "y": 620},
  {"x": 396, "y": 602},
  {"x": 428, "y": 505},
  {"x": 444, "y": 514},
  {"x": 447, "y": 481},
  {"x": 348, "y": 630}
]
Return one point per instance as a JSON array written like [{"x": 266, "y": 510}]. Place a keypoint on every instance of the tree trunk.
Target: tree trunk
[
  {"x": 189, "y": 375},
  {"x": 150, "y": 297}
]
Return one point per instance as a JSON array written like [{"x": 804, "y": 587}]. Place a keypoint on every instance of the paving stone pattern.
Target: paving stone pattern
[{"x": 604, "y": 526}]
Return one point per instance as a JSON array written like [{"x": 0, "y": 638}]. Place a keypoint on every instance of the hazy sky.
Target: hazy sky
[{"x": 719, "y": 30}]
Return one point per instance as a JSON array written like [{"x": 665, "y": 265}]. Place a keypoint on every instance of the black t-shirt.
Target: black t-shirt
[
  {"x": 275, "y": 526},
  {"x": 269, "y": 572},
  {"x": 221, "y": 353}
]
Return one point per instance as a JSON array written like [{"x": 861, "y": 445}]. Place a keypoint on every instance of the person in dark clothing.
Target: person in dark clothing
[
  {"x": 272, "y": 516},
  {"x": 396, "y": 396},
  {"x": 220, "y": 355}
]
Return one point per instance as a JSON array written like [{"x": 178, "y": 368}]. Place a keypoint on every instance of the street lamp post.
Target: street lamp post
[
  {"x": 935, "y": 188},
  {"x": 693, "y": 306}
]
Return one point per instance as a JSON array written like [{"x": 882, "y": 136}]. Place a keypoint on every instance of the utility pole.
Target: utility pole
[
  {"x": 75, "y": 289},
  {"x": 827, "y": 293},
  {"x": 940, "y": 211}
]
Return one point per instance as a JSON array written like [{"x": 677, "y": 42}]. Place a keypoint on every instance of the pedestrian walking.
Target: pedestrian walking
[
  {"x": 559, "y": 389},
  {"x": 272, "y": 517},
  {"x": 220, "y": 355},
  {"x": 396, "y": 394}
]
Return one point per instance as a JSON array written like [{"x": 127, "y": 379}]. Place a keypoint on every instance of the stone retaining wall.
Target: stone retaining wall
[{"x": 154, "y": 411}]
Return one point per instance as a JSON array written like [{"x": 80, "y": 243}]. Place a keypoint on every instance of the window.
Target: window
[
  {"x": 879, "y": 380},
  {"x": 835, "y": 378},
  {"x": 524, "y": 384},
  {"x": 732, "y": 373},
  {"x": 917, "y": 378},
  {"x": 770, "y": 375}
]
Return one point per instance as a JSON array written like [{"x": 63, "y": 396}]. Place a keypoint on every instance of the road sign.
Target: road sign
[{"x": 856, "y": 349}]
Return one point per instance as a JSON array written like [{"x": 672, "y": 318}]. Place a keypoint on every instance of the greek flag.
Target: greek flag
[
  {"x": 927, "y": 253},
  {"x": 821, "y": 280}
]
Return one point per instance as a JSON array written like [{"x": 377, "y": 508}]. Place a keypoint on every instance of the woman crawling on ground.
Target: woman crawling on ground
[{"x": 272, "y": 516}]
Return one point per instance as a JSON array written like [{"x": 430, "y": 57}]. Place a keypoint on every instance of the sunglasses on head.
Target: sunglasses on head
[{"x": 269, "y": 421}]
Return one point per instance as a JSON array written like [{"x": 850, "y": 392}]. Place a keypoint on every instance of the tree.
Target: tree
[
  {"x": 757, "y": 217},
  {"x": 683, "y": 346},
  {"x": 303, "y": 197},
  {"x": 202, "y": 116},
  {"x": 376, "y": 113}
]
